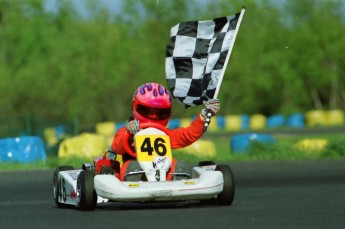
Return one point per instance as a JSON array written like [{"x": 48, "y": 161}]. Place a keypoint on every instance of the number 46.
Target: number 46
[{"x": 158, "y": 146}]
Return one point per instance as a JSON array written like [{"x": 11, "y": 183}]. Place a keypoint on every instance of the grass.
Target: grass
[
  {"x": 282, "y": 149},
  {"x": 50, "y": 163}
]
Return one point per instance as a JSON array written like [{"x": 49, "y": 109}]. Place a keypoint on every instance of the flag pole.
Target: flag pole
[
  {"x": 229, "y": 52},
  {"x": 208, "y": 115}
]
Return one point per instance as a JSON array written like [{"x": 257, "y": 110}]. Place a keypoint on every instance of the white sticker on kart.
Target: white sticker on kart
[
  {"x": 161, "y": 163},
  {"x": 74, "y": 175}
]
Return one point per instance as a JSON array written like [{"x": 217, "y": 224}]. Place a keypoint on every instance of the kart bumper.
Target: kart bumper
[{"x": 207, "y": 186}]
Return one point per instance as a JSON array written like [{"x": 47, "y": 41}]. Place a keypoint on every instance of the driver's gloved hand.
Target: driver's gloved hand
[
  {"x": 133, "y": 126},
  {"x": 212, "y": 106},
  {"x": 112, "y": 153}
]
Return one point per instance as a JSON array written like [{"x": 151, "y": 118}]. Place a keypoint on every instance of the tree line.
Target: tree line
[{"x": 288, "y": 56}]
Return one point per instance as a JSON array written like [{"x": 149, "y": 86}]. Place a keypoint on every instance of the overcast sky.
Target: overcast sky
[{"x": 115, "y": 5}]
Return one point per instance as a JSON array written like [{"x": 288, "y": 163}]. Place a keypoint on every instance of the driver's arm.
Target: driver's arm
[
  {"x": 184, "y": 136},
  {"x": 117, "y": 144}
]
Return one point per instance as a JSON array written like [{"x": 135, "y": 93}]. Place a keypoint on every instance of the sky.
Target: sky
[
  {"x": 112, "y": 5},
  {"x": 115, "y": 5}
]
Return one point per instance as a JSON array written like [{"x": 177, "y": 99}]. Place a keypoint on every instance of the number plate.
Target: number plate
[{"x": 150, "y": 146}]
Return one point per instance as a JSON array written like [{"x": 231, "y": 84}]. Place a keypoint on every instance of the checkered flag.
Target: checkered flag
[{"x": 197, "y": 55}]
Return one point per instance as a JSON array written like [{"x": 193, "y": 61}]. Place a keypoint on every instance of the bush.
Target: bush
[{"x": 334, "y": 149}]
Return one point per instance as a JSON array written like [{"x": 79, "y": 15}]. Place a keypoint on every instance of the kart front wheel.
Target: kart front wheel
[
  {"x": 226, "y": 197},
  {"x": 87, "y": 197},
  {"x": 58, "y": 185}
]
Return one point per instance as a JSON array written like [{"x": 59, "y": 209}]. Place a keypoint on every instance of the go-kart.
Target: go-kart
[{"x": 106, "y": 181}]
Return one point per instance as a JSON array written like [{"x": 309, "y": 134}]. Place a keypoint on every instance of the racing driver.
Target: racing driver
[{"x": 152, "y": 103}]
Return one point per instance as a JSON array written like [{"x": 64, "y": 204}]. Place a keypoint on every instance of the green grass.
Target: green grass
[
  {"x": 282, "y": 149},
  {"x": 50, "y": 163}
]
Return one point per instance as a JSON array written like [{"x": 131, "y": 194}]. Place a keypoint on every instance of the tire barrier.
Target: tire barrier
[
  {"x": 203, "y": 148},
  {"x": 25, "y": 149},
  {"x": 221, "y": 122},
  {"x": 119, "y": 125},
  {"x": 184, "y": 122},
  {"x": 311, "y": 145},
  {"x": 295, "y": 120},
  {"x": 233, "y": 123},
  {"x": 213, "y": 127},
  {"x": 257, "y": 122},
  {"x": 242, "y": 122},
  {"x": 335, "y": 118},
  {"x": 174, "y": 123},
  {"x": 245, "y": 122},
  {"x": 52, "y": 135},
  {"x": 316, "y": 118},
  {"x": 106, "y": 129},
  {"x": 241, "y": 143},
  {"x": 275, "y": 121},
  {"x": 85, "y": 145}
]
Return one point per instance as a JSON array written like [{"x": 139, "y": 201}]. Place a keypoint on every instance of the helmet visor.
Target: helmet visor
[{"x": 154, "y": 113}]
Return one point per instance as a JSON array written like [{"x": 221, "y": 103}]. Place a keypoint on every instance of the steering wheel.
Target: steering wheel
[{"x": 127, "y": 136}]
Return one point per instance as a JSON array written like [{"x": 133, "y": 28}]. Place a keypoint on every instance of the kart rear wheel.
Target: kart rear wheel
[
  {"x": 205, "y": 163},
  {"x": 57, "y": 187},
  {"x": 107, "y": 170},
  {"x": 226, "y": 197},
  {"x": 87, "y": 197}
]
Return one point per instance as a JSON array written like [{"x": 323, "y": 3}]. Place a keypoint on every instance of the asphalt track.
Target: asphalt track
[{"x": 302, "y": 194}]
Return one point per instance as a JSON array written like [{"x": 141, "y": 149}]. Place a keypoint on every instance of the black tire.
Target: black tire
[
  {"x": 226, "y": 197},
  {"x": 87, "y": 197},
  {"x": 56, "y": 187},
  {"x": 205, "y": 163},
  {"x": 107, "y": 170}
]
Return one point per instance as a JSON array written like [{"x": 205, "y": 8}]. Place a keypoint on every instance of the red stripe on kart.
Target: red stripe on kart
[
  {"x": 73, "y": 195},
  {"x": 124, "y": 169},
  {"x": 171, "y": 170}
]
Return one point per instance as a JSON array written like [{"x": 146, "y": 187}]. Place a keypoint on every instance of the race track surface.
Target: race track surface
[{"x": 307, "y": 194}]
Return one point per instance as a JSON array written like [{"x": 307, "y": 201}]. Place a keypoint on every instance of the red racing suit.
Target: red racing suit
[{"x": 179, "y": 138}]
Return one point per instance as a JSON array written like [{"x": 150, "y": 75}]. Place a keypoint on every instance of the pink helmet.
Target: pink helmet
[{"x": 152, "y": 103}]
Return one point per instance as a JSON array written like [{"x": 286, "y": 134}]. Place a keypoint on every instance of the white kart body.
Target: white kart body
[
  {"x": 205, "y": 183},
  {"x": 68, "y": 185}
]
